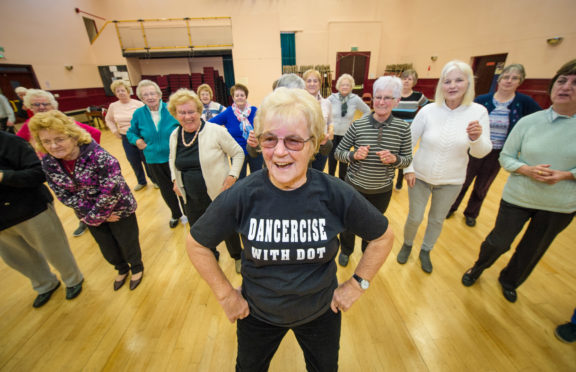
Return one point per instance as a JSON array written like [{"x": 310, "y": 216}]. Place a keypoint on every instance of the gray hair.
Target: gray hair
[
  {"x": 291, "y": 81},
  {"x": 515, "y": 67},
  {"x": 31, "y": 93},
  {"x": 147, "y": 83},
  {"x": 392, "y": 83}
]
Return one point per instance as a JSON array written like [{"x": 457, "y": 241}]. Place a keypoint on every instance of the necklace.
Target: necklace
[{"x": 193, "y": 139}]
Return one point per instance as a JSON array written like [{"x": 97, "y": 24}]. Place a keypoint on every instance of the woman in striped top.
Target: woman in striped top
[{"x": 382, "y": 143}]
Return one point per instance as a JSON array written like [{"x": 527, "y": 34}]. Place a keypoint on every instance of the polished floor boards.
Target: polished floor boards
[{"x": 407, "y": 321}]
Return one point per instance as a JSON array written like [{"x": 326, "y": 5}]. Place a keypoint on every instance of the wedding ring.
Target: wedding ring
[{"x": 540, "y": 172}]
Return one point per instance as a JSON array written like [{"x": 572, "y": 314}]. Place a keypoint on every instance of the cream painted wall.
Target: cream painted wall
[{"x": 396, "y": 31}]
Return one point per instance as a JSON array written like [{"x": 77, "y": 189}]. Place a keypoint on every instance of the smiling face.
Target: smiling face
[
  {"x": 188, "y": 116},
  {"x": 239, "y": 98},
  {"x": 563, "y": 94},
  {"x": 59, "y": 145},
  {"x": 287, "y": 168},
  {"x": 40, "y": 104},
  {"x": 313, "y": 85},
  {"x": 345, "y": 87},
  {"x": 205, "y": 97},
  {"x": 384, "y": 102},
  {"x": 150, "y": 97},
  {"x": 454, "y": 88}
]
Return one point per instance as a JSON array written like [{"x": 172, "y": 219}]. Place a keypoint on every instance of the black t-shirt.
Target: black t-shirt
[{"x": 290, "y": 240}]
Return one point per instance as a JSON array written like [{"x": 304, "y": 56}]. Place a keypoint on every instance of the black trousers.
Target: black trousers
[
  {"x": 161, "y": 174},
  {"x": 332, "y": 162},
  {"x": 543, "y": 227},
  {"x": 319, "y": 340},
  {"x": 195, "y": 207},
  {"x": 4, "y": 126},
  {"x": 119, "y": 243},
  {"x": 347, "y": 238}
]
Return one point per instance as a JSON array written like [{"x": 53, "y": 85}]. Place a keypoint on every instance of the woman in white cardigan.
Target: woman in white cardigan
[
  {"x": 199, "y": 165},
  {"x": 447, "y": 131}
]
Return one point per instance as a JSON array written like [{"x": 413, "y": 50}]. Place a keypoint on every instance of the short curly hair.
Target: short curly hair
[
  {"x": 32, "y": 93},
  {"x": 59, "y": 122},
  {"x": 120, "y": 83},
  {"x": 207, "y": 88},
  {"x": 241, "y": 87},
  {"x": 182, "y": 96}
]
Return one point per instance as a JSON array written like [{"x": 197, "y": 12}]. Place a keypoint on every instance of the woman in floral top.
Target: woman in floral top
[{"x": 87, "y": 178}]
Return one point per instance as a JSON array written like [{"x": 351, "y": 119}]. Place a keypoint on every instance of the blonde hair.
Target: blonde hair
[
  {"x": 207, "y": 88},
  {"x": 58, "y": 122},
  {"x": 120, "y": 83},
  {"x": 147, "y": 83},
  {"x": 313, "y": 72},
  {"x": 467, "y": 71},
  {"x": 292, "y": 105},
  {"x": 345, "y": 77},
  {"x": 32, "y": 93},
  {"x": 183, "y": 96}
]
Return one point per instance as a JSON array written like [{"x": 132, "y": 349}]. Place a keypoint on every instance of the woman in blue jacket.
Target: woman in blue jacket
[{"x": 150, "y": 131}]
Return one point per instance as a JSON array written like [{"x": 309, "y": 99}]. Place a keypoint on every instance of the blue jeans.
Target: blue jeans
[
  {"x": 255, "y": 164},
  {"x": 319, "y": 340},
  {"x": 136, "y": 159}
]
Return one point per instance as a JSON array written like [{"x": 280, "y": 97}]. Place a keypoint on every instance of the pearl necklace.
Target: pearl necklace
[{"x": 193, "y": 139}]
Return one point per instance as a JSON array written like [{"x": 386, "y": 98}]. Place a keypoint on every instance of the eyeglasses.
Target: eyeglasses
[
  {"x": 38, "y": 104},
  {"x": 294, "y": 143},
  {"x": 57, "y": 141},
  {"x": 384, "y": 98}
]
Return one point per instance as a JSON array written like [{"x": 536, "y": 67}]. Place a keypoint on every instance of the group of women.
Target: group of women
[{"x": 290, "y": 215}]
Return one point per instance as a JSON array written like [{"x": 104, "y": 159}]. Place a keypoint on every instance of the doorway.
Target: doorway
[
  {"x": 356, "y": 64},
  {"x": 486, "y": 71},
  {"x": 12, "y": 76}
]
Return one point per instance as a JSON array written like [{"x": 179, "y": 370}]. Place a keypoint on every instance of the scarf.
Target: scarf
[
  {"x": 242, "y": 116},
  {"x": 344, "y": 101}
]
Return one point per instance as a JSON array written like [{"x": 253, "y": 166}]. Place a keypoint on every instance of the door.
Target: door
[
  {"x": 12, "y": 76},
  {"x": 486, "y": 71},
  {"x": 356, "y": 64}
]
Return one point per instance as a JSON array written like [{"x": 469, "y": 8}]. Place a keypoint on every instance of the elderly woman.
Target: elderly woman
[
  {"x": 408, "y": 106},
  {"x": 447, "y": 131},
  {"x": 505, "y": 108},
  {"x": 313, "y": 80},
  {"x": 150, "y": 131},
  {"x": 541, "y": 190},
  {"x": 118, "y": 119},
  {"x": 86, "y": 178},
  {"x": 23, "y": 113},
  {"x": 209, "y": 108},
  {"x": 290, "y": 217},
  {"x": 199, "y": 153},
  {"x": 381, "y": 143},
  {"x": 239, "y": 119},
  {"x": 42, "y": 101},
  {"x": 344, "y": 106}
]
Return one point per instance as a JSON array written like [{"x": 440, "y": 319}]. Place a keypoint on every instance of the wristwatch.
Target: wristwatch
[{"x": 364, "y": 284}]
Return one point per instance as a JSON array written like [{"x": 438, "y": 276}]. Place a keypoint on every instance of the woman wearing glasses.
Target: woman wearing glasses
[
  {"x": 382, "y": 144},
  {"x": 150, "y": 131},
  {"x": 86, "y": 178},
  {"x": 344, "y": 106},
  {"x": 505, "y": 108},
  {"x": 289, "y": 217},
  {"x": 199, "y": 165},
  {"x": 447, "y": 131}
]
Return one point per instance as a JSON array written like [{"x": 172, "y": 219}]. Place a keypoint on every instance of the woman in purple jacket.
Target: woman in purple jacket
[{"x": 87, "y": 178}]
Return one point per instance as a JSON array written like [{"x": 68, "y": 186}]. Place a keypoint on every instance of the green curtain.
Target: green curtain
[{"x": 288, "y": 45}]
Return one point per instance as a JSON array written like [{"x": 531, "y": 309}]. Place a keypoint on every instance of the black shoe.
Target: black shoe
[
  {"x": 510, "y": 294},
  {"x": 470, "y": 221},
  {"x": 404, "y": 254},
  {"x": 136, "y": 283},
  {"x": 468, "y": 279},
  {"x": 119, "y": 283},
  {"x": 81, "y": 229},
  {"x": 450, "y": 214},
  {"x": 343, "y": 259},
  {"x": 73, "y": 292},
  {"x": 566, "y": 332},
  {"x": 44, "y": 297},
  {"x": 173, "y": 222},
  {"x": 425, "y": 261}
]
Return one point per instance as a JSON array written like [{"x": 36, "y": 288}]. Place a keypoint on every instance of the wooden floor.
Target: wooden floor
[{"x": 407, "y": 321}]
